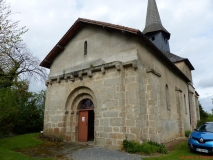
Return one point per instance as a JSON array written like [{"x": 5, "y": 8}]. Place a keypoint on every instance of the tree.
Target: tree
[
  {"x": 21, "y": 111},
  {"x": 203, "y": 114},
  {"x": 212, "y": 103},
  {"x": 16, "y": 60}
]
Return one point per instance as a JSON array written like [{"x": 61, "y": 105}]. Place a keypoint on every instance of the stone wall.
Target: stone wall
[{"x": 114, "y": 90}]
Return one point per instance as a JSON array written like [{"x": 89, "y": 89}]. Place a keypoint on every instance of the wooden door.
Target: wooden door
[{"x": 83, "y": 126}]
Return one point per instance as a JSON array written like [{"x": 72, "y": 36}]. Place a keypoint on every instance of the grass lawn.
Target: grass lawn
[
  {"x": 182, "y": 152},
  {"x": 8, "y": 145}
]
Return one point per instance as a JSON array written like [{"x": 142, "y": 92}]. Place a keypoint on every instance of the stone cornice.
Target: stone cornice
[
  {"x": 153, "y": 71},
  {"x": 89, "y": 71}
]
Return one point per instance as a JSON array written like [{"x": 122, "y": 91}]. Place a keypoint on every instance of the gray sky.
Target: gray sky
[{"x": 190, "y": 23}]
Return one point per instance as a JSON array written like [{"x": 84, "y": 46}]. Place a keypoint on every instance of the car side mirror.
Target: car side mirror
[{"x": 195, "y": 129}]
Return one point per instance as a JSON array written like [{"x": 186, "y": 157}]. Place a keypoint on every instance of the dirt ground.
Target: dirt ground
[
  {"x": 59, "y": 150},
  {"x": 171, "y": 145}
]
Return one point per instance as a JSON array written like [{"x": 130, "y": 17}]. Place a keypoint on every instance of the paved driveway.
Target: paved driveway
[{"x": 99, "y": 153}]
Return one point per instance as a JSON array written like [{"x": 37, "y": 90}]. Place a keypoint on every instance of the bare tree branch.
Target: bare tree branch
[{"x": 16, "y": 60}]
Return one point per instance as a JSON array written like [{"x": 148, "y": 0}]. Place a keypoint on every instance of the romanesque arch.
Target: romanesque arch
[{"x": 72, "y": 110}]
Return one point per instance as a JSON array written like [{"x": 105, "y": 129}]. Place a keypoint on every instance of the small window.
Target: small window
[
  {"x": 85, "y": 48},
  {"x": 153, "y": 38},
  {"x": 185, "y": 104},
  {"x": 167, "y": 97}
]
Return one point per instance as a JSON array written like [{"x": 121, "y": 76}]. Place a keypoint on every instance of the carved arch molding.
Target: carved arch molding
[
  {"x": 76, "y": 96},
  {"x": 71, "y": 115}
]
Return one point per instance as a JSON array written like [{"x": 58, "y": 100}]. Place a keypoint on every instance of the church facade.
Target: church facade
[{"x": 108, "y": 83}]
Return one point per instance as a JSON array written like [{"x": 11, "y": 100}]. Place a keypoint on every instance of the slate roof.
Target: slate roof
[
  {"x": 153, "y": 21},
  {"x": 174, "y": 58}
]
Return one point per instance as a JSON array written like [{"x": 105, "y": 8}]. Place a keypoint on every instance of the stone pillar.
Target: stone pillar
[
  {"x": 192, "y": 110},
  {"x": 154, "y": 129},
  {"x": 180, "y": 111}
]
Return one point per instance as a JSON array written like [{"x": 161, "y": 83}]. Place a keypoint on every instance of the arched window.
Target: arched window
[
  {"x": 86, "y": 104},
  {"x": 167, "y": 97},
  {"x": 185, "y": 104},
  {"x": 85, "y": 48}
]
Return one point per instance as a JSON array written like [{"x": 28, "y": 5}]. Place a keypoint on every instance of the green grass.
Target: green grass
[
  {"x": 181, "y": 152},
  {"x": 8, "y": 145}
]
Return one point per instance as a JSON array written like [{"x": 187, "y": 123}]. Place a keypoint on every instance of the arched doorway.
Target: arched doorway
[{"x": 86, "y": 121}]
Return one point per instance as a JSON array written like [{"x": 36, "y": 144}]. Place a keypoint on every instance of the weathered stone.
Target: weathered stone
[
  {"x": 100, "y": 141},
  {"x": 116, "y": 135},
  {"x": 111, "y": 103},
  {"x": 132, "y": 86},
  {"x": 145, "y": 130},
  {"x": 113, "y": 82},
  {"x": 107, "y": 129},
  {"x": 130, "y": 122},
  {"x": 130, "y": 80},
  {"x": 115, "y": 129},
  {"x": 54, "y": 118},
  {"x": 104, "y": 122},
  {"x": 131, "y": 73},
  {"x": 131, "y": 93},
  {"x": 109, "y": 141},
  {"x": 116, "y": 121},
  {"x": 111, "y": 90},
  {"x": 121, "y": 102},
  {"x": 104, "y": 135},
  {"x": 110, "y": 114},
  {"x": 107, "y": 97},
  {"x": 119, "y": 95},
  {"x": 56, "y": 130},
  {"x": 135, "y": 130},
  {"x": 61, "y": 124}
]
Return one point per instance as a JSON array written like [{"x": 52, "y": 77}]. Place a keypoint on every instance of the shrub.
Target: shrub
[
  {"x": 187, "y": 133},
  {"x": 131, "y": 146},
  {"x": 147, "y": 147}
]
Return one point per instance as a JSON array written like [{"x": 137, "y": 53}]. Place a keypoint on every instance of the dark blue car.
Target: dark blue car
[{"x": 201, "y": 139}]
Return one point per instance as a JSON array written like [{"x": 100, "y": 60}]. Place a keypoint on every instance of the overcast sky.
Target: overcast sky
[{"x": 190, "y": 23}]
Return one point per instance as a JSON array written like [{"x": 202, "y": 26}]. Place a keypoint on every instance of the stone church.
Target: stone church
[{"x": 108, "y": 83}]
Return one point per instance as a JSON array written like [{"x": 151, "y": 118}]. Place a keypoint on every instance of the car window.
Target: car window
[{"x": 207, "y": 127}]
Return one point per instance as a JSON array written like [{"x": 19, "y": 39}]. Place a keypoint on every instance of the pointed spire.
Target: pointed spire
[{"x": 153, "y": 21}]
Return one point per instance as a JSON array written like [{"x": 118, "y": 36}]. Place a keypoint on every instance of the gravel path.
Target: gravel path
[{"x": 102, "y": 154}]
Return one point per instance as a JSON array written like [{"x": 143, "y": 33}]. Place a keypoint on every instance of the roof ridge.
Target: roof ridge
[{"x": 108, "y": 24}]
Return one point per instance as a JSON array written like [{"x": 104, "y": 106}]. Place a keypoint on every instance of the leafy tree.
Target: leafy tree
[
  {"x": 203, "y": 114},
  {"x": 21, "y": 111},
  {"x": 30, "y": 117},
  {"x": 16, "y": 60},
  {"x": 212, "y": 103}
]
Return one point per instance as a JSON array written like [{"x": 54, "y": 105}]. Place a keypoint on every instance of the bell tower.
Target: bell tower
[{"x": 154, "y": 29}]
